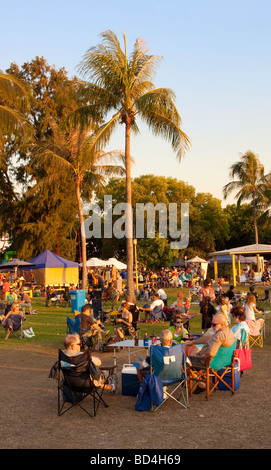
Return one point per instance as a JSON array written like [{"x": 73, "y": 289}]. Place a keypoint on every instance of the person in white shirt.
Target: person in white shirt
[
  {"x": 162, "y": 295},
  {"x": 156, "y": 307}
]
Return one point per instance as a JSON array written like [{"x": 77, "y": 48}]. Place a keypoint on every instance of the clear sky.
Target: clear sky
[{"x": 216, "y": 57}]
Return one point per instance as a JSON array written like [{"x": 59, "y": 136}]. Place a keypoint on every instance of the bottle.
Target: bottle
[
  {"x": 153, "y": 338},
  {"x": 146, "y": 340},
  {"x": 136, "y": 338}
]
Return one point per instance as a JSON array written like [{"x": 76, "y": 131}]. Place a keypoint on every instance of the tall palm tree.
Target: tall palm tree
[
  {"x": 123, "y": 85},
  {"x": 15, "y": 99},
  {"x": 251, "y": 185},
  {"x": 76, "y": 151}
]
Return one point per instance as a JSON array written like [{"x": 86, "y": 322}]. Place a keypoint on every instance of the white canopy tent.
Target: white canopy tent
[
  {"x": 95, "y": 263},
  {"x": 202, "y": 262},
  {"x": 259, "y": 249},
  {"x": 116, "y": 263}
]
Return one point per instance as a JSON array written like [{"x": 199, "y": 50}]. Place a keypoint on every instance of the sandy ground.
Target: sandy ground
[{"x": 29, "y": 417}]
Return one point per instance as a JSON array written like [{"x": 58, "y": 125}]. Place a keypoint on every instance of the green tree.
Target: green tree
[
  {"x": 250, "y": 184},
  {"x": 124, "y": 85},
  {"x": 74, "y": 151},
  {"x": 15, "y": 102},
  {"x": 31, "y": 222}
]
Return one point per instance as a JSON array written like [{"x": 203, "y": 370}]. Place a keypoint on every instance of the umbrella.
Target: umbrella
[
  {"x": 196, "y": 259},
  {"x": 16, "y": 264},
  {"x": 116, "y": 263}
]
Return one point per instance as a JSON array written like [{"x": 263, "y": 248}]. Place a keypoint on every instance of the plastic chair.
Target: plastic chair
[
  {"x": 214, "y": 371},
  {"x": 75, "y": 384},
  {"x": 168, "y": 364}
]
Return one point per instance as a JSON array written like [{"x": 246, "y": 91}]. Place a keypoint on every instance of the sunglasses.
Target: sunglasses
[
  {"x": 178, "y": 322},
  {"x": 77, "y": 344}
]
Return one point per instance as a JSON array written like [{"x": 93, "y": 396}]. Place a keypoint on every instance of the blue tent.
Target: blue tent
[
  {"x": 53, "y": 269},
  {"x": 50, "y": 260},
  {"x": 227, "y": 259}
]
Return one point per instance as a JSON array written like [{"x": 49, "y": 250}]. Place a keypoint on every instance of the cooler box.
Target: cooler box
[
  {"x": 227, "y": 378},
  {"x": 78, "y": 298},
  {"x": 129, "y": 380}
]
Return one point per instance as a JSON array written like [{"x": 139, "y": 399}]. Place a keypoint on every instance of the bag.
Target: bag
[
  {"x": 244, "y": 356},
  {"x": 29, "y": 333}
]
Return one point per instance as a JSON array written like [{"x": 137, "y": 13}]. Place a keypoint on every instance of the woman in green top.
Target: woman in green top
[{"x": 178, "y": 331}]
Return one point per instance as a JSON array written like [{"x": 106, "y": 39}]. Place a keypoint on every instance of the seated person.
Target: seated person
[
  {"x": 178, "y": 305},
  {"x": 221, "y": 336},
  {"x": 162, "y": 295},
  {"x": 72, "y": 345},
  {"x": 239, "y": 316},
  {"x": 11, "y": 296},
  {"x": 230, "y": 293},
  {"x": 187, "y": 303},
  {"x": 24, "y": 300},
  {"x": 89, "y": 326},
  {"x": 126, "y": 328},
  {"x": 156, "y": 306},
  {"x": 179, "y": 333},
  {"x": 12, "y": 321},
  {"x": 166, "y": 339}
]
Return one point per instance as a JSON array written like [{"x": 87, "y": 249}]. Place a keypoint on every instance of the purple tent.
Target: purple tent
[{"x": 51, "y": 269}]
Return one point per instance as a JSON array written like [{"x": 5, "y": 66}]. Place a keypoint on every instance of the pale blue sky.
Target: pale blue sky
[{"x": 216, "y": 57}]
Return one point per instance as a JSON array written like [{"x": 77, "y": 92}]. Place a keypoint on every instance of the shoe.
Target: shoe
[
  {"x": 113, "y": 379},
  {"x": 113, "y": 388}
]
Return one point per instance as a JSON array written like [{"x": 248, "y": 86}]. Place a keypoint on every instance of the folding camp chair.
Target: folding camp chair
[
  {"x": 169, "y": 365},
  {"x": 75, "y": 384},
  {"x": 214, "y": 372},
  {"x": 73, "y": 325},
  {"x": 256, "y": 333},
  {"x": 157, "y": 315}
]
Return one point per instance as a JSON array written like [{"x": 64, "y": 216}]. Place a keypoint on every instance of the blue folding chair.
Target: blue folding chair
[
  {"x": 73, "y": 325},
  {"x": 169, "y": 365}
]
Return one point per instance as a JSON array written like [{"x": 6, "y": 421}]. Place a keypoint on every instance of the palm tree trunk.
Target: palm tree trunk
[
  {"x": 83, "y": 235},
  {"x": 256, "y": 231},
  {"x": 129, "y": 239}
]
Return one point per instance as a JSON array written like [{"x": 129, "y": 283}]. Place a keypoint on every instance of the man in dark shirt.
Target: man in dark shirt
[{"x": 230, "y": 294}]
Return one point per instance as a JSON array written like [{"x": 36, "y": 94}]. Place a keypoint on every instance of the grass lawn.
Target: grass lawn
[{"x": 50, "y": 327}]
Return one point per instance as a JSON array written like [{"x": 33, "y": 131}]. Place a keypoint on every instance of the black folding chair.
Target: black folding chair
[{"x": 75, "y": 384}]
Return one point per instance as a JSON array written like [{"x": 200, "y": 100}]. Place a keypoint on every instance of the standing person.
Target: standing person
[
  {"x": 250, "y": 308},
  {"x": 207, "y": 312},
  {"x": 205, "y": 291}
]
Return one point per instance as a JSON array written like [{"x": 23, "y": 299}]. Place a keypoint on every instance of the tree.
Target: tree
[
  {"x": 250, "y": 184},
  {"x": 124, "y": 85},
  {"x": 74, "y": 150},
  {"x": 15, "y": 100},
  {"x": 208, "y": 225},
  {"x": 31, "y": 222}
]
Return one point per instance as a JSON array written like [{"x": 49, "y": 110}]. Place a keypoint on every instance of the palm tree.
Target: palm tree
[
  {"x": 15, "y": 99},
  {"x": 75, "y": 151},
  {"x": 251, "y": 185},
  {"x": 123, "y": 85}
]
